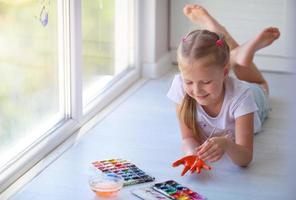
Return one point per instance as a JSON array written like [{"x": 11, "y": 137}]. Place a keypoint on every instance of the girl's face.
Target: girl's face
[{"x": 203, "y": 81}]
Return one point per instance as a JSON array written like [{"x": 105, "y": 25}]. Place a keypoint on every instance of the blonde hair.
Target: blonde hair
[{"x": 196, "y": 45}]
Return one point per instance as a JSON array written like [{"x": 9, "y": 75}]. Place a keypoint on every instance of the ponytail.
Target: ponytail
[{"x": 188, "y": 115}]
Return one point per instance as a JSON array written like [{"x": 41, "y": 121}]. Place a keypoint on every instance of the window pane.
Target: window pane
[
  {"x": 107, "y": 29},
  {"x": 29, "y": 93}
]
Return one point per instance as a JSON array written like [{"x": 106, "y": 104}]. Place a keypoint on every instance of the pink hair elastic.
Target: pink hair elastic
[{"x": 219, "y": 43}]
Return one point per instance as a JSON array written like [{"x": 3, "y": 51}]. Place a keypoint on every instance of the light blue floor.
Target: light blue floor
[{"x": 144, "y": 130}]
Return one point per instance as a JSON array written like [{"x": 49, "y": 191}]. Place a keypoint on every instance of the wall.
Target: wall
[{"x": 154, "y": 34}]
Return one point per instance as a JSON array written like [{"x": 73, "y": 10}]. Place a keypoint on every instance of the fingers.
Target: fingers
[
  {"x": 194, "y": 166},
  {"x": 186, "y": 168},
  {"x": 192, "y": 163},
  {"x": 198, "y": 165},
  {"x": 204, "y": 151},
  {"x": 211, "y": 151},
  {"x": 190, "y": 6},
  {"x": 178, "y": 162},
  {"x": 207, "y": 167},
  {"x": 205, "y": 147},
  {"x": 184, "y": 161},
  {"x": 187, "y": 8},
  {"x": 215, "y": 157}
]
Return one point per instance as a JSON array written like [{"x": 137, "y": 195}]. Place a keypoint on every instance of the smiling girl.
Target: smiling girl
[{"x": 218, "y": 113}]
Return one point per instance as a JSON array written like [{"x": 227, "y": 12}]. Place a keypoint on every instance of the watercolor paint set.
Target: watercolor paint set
[
  {"x": 127, "y": 170},
  {"x": 176, "y": 191},
  {"x": 167, "y": 190}
]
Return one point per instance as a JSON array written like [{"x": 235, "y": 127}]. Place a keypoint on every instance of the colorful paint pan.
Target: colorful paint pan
[
  {"x": 128, "y": 171},
  {"x": 174, "y": 190}
]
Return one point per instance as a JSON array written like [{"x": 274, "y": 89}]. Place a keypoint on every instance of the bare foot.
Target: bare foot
[
  {"x": 243, "y": 55},
  {"x": 199, "y": 15}
]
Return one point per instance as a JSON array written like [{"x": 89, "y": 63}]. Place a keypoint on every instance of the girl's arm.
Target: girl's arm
[
  {"x": 241, "y": 152},
  {"x": 189, "y": 143}
]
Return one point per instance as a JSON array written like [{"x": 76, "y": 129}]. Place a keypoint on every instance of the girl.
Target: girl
[{"x": 217, "y": 113}]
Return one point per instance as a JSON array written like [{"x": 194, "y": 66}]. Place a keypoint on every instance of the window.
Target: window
[
  {"x": 29, "y": 91},
  {"x": 41, "y": 83},
  {"x": 107, "y": 32}
]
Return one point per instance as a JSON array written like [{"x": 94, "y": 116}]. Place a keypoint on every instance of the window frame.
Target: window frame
[{"x": 70, "y": 62}]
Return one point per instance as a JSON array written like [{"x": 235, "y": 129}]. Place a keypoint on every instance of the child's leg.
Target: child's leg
[
  {"x": 239, "y": 58},
  {"x": 242, "y": 56},
  {"x": 198, "y": 15}
]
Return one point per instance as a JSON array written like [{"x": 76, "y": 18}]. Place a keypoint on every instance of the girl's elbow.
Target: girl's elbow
[
  {"x": 245, "y": 164},
  {"x": 246, "y": 161}
]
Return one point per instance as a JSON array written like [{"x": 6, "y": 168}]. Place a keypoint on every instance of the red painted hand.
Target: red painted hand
[{"x": 192, "y": 163}]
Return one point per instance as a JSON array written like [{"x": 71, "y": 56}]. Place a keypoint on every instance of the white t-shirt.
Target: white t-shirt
[{"x": 238, "y": 101}]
